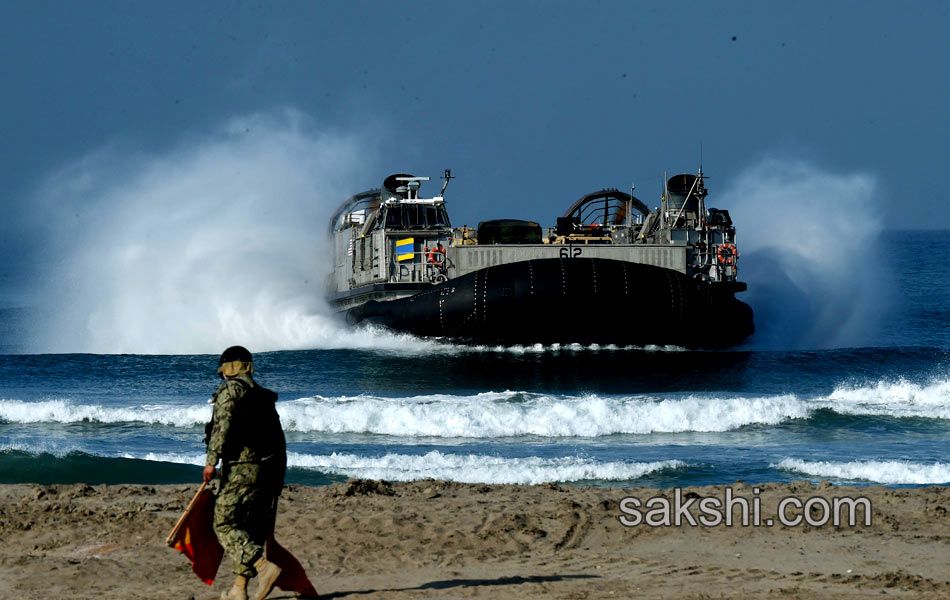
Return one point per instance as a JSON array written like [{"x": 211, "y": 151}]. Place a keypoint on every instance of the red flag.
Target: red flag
[
  {"x": 194, "y": 537},
  {"x": 292, "y": 577}
]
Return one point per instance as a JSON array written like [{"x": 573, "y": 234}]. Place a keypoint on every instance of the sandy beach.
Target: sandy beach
[{"x": 432, "y": 539}]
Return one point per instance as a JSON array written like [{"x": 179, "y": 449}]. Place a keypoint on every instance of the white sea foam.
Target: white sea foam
[
  {"x": 882, "y": 471},
  {"x": 48, "y": 445},
  {"x": 473, "y": 468},
  {"x": 508, "y": 414},
  {"x": 513, "y": 414},
  {"x": 170, "y": 457},
  {"x": 484, "y": 415},
  {"x": 557, "y": 348},
  {"x": 65, "y": 411},
  {"x": 468, "y": 468},
  {"x": 893, "y": 398}
]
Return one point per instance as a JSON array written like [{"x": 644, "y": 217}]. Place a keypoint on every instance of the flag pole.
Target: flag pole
[{"x": 184, "y": 515}]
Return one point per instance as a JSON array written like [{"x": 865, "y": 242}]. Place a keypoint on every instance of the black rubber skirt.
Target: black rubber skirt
[{"x": 569, "y": 300}]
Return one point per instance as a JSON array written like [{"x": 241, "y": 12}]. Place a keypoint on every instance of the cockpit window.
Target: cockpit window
[
  {"x": 393, "y": 218},
  {"x": 416, "y": 216},
  {"x": 436, "y": 217}
]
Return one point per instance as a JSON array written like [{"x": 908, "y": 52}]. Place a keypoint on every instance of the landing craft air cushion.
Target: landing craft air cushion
[{"x": 611, "y": 271}]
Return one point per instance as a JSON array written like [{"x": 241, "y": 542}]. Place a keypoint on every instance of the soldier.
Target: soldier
[{"x": 245, "y": 434}]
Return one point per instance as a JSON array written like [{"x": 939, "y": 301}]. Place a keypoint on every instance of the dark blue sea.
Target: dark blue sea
[{"x": 847, "y": 380}]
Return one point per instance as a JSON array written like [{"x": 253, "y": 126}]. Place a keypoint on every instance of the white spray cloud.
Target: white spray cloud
[
  {"x": 808, "y": 240},
  {"x": 217, "y": 241}
]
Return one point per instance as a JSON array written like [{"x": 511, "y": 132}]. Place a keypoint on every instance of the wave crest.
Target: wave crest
[
  {"x": 464, "y": 468},
  {"x": 894, "y": 472},
  {"x": 517, "y": 414}
]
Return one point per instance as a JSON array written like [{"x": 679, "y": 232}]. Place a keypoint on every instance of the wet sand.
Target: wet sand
[{"x": 432, "y": 539}]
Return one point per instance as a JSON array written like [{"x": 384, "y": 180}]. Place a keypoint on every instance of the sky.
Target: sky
[{"x": 531, "y": 104}]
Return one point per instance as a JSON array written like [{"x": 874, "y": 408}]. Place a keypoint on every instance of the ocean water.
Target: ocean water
[{"x": 390, "y": 407}]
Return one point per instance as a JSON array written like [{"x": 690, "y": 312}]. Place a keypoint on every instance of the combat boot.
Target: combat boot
[
  {"x": 238, "y": 591},
  {"x": 267, "y": 574}
]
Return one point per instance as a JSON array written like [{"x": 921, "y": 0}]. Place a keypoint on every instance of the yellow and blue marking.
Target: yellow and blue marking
[{"x": 405, "y": 249}]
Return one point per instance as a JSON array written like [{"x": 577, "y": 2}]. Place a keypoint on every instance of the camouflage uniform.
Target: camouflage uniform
[{"x": 246, "y": 435}]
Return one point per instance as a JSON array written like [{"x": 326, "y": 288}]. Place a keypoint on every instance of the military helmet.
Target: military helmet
[{"x": 235, "y": 353}]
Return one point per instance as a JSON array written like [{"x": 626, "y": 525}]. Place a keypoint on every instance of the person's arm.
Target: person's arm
[{"x": 222, "y": 418}]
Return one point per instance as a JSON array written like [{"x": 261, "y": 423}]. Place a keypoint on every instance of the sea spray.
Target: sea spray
[
  {"x": 809, "y": 242},
  {"x": 220, "y": 240}
]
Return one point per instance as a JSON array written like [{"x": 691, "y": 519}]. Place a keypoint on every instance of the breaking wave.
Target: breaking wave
[
  {"x": 893, "y": 472},
  {"x": 465, "y": 468},
  {"x": 475, "y": 468},
  {"x": 65, "y": 411},
  {"x": 515, "y": 414},
  {"x": 485, "y": 415},
  {"x": 512, "y": 414},
  {"x": 894, "y": 398}
]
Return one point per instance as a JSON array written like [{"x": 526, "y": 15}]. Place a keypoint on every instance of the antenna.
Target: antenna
[
  {"x": 447, "y": 176},
  {"x": 666, "y": 193},
  {"x": 629, "y": 209}
]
